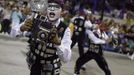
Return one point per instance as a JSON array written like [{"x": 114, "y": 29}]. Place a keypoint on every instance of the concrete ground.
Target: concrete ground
[{"x": 12, "y": 60}]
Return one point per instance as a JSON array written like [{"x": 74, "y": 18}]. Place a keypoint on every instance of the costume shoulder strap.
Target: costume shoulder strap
[{"x": 61, "y": 29}]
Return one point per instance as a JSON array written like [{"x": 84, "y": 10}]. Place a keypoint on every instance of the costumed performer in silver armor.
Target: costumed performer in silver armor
[{"x": 49, "y": 41}]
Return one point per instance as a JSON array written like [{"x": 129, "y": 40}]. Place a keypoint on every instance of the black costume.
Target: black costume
[
  {"x": 5, "y": 24},
  {"x": 94, "y": 52},
  {"x": 79, "y": 34}
]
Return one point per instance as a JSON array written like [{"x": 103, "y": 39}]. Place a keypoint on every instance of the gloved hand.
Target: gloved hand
[
  {"x": 54, "y": 37},
  {"x": 109, "y": 40},
  {"x": 27, "y": 25}
]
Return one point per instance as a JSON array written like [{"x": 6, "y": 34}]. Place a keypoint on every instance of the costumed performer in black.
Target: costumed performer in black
[{"x": 97, "y": 37}]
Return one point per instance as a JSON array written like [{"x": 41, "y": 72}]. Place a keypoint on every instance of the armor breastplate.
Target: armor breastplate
[{"x": 46, "y": 50}]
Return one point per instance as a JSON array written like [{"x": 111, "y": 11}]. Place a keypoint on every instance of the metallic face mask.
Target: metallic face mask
[
  {"x": 39, "y": 5},
  {"x": 53, "y": 11}
]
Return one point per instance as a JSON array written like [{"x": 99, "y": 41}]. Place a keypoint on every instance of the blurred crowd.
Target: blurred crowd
[{"x": 12, "y": 14}]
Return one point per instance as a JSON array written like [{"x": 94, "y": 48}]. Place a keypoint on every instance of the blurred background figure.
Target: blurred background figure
[
  {"x": 16, "y": 18},
  {"x": 79, "y": 32},
  {"x": 5, "y": 21}
]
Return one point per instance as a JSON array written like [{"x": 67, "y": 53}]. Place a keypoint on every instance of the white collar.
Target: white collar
[{"x": 57, "y": 22}]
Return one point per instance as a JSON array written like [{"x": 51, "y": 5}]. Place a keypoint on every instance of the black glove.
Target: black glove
[
  {"x": 27, "y": 25},
  {"x": 54, "y": 37}
]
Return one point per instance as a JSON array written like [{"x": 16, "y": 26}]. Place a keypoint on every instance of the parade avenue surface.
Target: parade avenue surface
[{"x": 12, "y": 60}]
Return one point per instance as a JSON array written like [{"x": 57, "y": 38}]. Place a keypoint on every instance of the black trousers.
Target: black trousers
[
  {"x": 80, "y": 40},
  {"x": 92, "y": 55},
  {"x": 5, "y": 26},
  {"x": 36, "y": 69}
]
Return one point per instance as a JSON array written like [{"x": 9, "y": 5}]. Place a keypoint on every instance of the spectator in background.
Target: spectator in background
[
  {"x": 1, "y": 15},
  {"x": 6, "y": 19},
  {"x": 66, "y": 17},
  {"x": 130, "y": 42},
  {"x": 16, "y": 17},
  {"x": 129, "y": 18},
  {"x": 26, "y": 12},
  {"x": 1, "y": 12},
  {"x": 122, "y": 40},
  {"x": 94, "y": 7}
]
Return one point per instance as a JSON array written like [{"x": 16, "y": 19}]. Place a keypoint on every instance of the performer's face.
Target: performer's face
[{"x": 53, "y": 11}]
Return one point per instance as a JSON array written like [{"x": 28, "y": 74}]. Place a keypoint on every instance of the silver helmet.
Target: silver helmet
[{"x": 38, "y": 5}]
